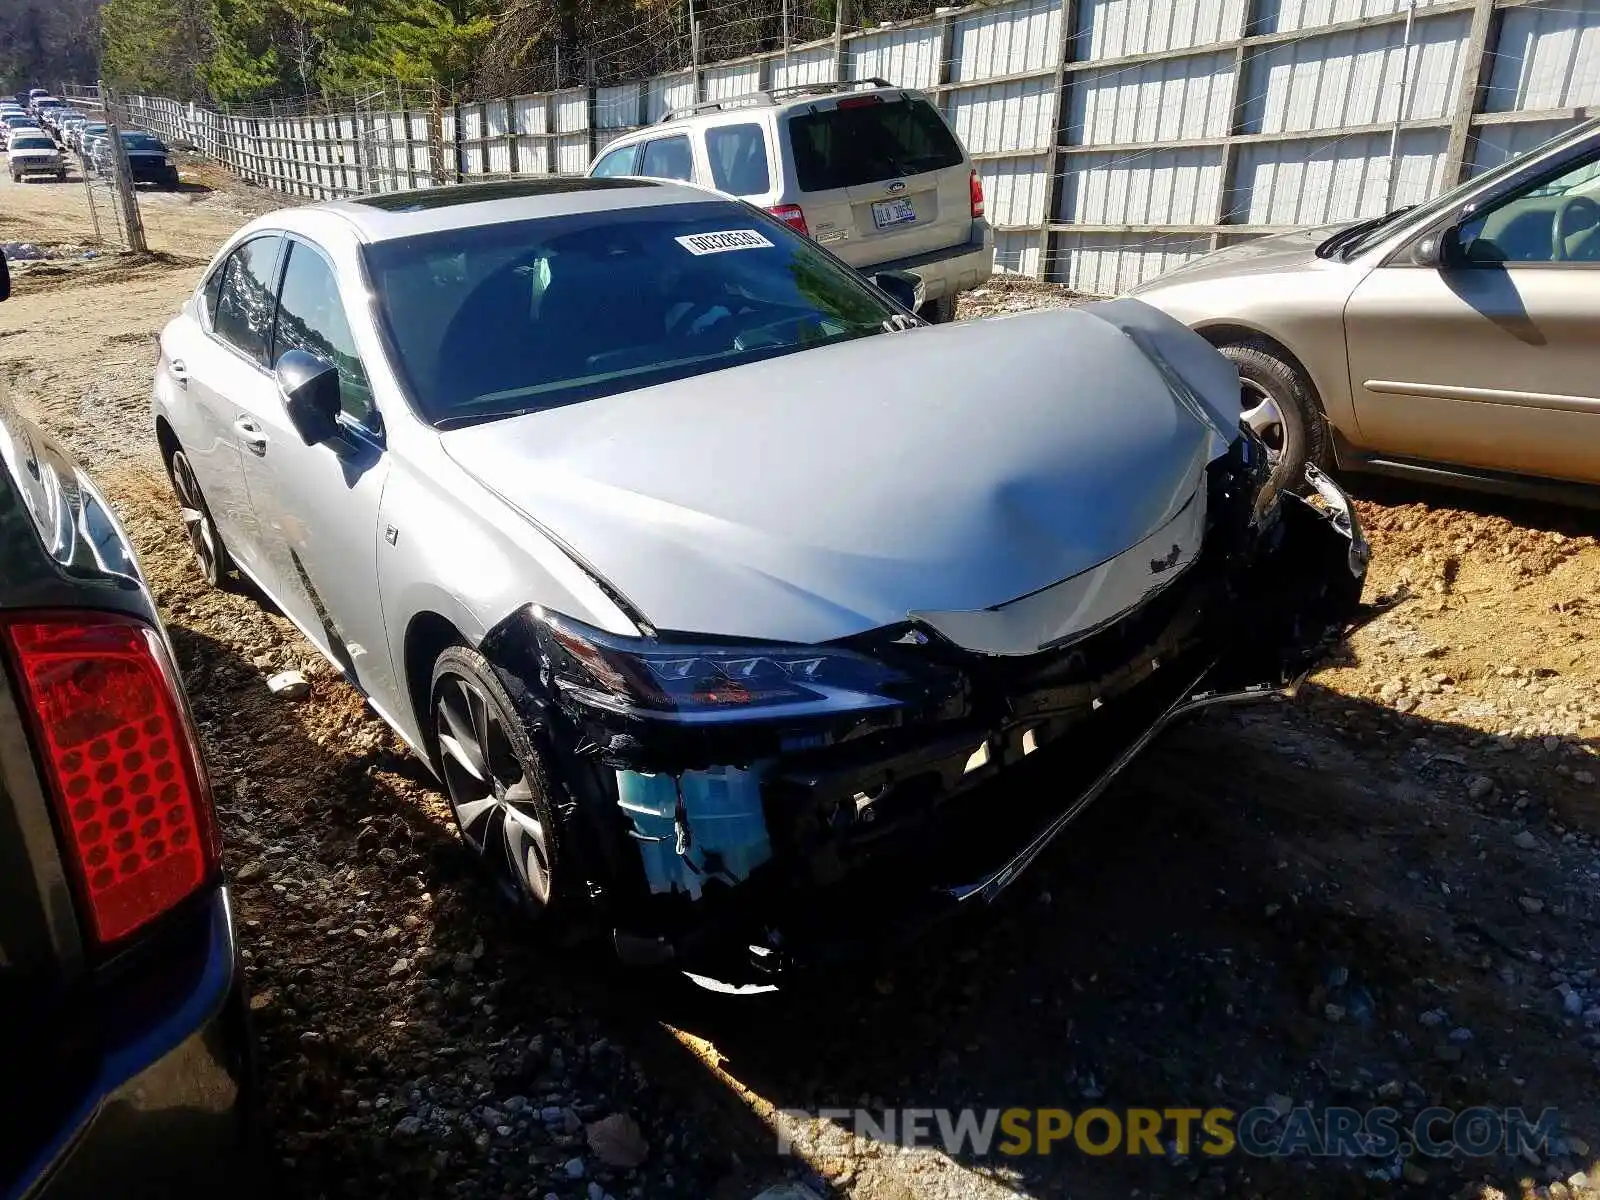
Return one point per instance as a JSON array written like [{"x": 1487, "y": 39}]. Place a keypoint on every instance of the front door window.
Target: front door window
[{"x": 1554, "y": 219}]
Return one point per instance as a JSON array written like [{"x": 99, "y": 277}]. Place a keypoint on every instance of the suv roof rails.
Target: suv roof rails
[{"x": 770, "y": 96}]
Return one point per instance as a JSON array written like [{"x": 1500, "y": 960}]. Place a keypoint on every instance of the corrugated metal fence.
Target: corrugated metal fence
[{"x": 1115, "y": 138}]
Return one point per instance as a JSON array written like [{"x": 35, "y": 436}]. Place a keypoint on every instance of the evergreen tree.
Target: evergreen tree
[{"x": 156, "y": 47}]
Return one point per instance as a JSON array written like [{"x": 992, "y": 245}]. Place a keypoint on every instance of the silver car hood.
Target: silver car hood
[{"x": 938, "y": 471}]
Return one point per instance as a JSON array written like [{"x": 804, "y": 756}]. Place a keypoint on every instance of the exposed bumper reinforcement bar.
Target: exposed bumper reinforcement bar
[{"x": 992, "y": 885}]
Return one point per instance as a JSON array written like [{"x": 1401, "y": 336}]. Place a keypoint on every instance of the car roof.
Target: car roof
[{"x": 390, "y": 215}]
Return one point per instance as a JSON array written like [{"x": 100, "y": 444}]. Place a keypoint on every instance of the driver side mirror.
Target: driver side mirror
[
  {"x": 1441, "y": 250},
  {"x": 905, "y": 288},
  {"x": 310, "y": 389}
]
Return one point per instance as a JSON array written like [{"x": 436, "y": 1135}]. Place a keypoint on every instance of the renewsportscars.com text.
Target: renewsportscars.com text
[{"x": 1263, "y": 1132}]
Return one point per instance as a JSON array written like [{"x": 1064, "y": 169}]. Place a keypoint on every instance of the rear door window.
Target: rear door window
[
  {"x": 866, "y": 140},
  {"x": 623, "y": 161},
  {"x": 213, "y": 290},
  {"x": 249, "y": 298},
  {"x": 668, "y": 158},
  {"x": 738, "y": 155}
]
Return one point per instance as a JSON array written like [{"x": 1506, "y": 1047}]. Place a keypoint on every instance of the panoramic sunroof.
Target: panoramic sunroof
[{"x": 480, "y": 193}]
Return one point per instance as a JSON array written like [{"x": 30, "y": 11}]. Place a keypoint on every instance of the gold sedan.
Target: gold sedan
[{"x": 1458, "y": 340}]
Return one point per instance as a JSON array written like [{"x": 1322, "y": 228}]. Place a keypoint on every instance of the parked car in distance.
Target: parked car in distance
[
  {"x": 13, "y": 124},
  {"x": 35, "y": 153},
  {"x": 69, "y": 127},
  {"x": 92, "y": 132},
  {"x": 872, "y": 172},
  {"x": 1450, "y": 341},
  {"x": 122, "y": 1013},
  {"x": 147, "y": 159},
  {"x": 708, "y": 579}
]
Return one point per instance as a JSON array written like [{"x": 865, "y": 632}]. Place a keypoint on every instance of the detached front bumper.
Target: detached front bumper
[{"x": 742, "y": 858}]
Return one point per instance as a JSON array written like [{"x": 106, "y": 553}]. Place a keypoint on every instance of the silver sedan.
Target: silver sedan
[{"x": 708, "y": 580}]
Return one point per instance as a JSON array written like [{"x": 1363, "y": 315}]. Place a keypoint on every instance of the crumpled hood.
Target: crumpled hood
[{"x": 836, "y": 490}]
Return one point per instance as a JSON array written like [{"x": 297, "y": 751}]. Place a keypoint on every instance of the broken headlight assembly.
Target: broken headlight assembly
[{"x": 697, "y": 682}]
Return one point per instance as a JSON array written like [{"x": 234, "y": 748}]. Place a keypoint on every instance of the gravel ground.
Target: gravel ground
[{"x": 1385, "y": 892}]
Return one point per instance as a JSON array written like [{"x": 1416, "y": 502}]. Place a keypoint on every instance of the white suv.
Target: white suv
[
  {"x": 869, "y": 170},
  {"x": 34, "y": 152}
]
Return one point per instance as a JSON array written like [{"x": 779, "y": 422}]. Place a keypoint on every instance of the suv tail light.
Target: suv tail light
[
  {"x": 975, "y": 188},
  {"x": 122, "y": 764},
  {"x": 791, "y": 216}
]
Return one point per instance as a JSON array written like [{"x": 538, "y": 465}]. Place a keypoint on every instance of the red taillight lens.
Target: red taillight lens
[
  {"x": 791, "y": 216},
  {"x": 975, "y": 186},
  {"x": 859, "y": 101},
  {"x": 122, "y": 763}
]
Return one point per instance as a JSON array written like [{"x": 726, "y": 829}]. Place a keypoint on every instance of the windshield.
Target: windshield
[
  {"x": 865, "y": 140},
  {"x": 142, "y": 141},
  {"x": 1423, "y": 213},
  {"x": 32, "y": 143},
  {"x": 492, "y": 320}
]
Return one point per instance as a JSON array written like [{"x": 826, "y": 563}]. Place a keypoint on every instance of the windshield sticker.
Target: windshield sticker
[{"x": 728, "y": 239}]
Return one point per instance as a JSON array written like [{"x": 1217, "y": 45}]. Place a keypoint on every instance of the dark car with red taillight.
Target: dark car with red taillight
[{"x": 123, "y": 1029}]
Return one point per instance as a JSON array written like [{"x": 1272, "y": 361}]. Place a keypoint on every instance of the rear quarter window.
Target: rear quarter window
[
  {"x": 866, "y": 140},
  {"x": 738, "y": 155}
]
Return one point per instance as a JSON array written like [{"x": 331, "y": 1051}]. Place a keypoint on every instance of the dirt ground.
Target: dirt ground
[{"x": 1386, "y": 892}]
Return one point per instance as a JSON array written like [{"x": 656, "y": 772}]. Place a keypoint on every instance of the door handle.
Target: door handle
[
  {"x": 179, "y": 372},
  {"x": 251, "y": 435}
]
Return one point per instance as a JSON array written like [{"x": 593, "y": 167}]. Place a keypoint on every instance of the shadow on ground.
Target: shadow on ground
[{"x": 1181, "y": 948}]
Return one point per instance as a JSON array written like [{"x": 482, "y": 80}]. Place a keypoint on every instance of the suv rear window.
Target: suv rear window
[{"x": 865, "y": 141}]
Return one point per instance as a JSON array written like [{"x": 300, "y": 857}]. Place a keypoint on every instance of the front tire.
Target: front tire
[
  {"x": 1279, "y": 404},
  {"x": 496, "y": 781},
  {"x": 210, "y": 552}
]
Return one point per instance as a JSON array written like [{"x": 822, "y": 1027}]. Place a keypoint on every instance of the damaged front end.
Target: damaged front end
[{"x": 743, "y": 810}]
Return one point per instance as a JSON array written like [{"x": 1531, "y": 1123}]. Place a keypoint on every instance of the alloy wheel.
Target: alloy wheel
[
  {"x": 490, "y": 790},
  {"x": 196, "y": 518},
  {"x": 1262, "y": 413}
]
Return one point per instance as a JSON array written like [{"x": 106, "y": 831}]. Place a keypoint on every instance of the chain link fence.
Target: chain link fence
[
  {"x": 1109, "y": 148},
  {"x": 107, "y": 181}
]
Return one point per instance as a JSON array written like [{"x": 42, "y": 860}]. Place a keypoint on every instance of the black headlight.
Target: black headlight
[{"x": 700, "y": 682}]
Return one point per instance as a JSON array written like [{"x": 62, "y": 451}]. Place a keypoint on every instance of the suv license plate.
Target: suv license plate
[{"x": 892, "y": 212}]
